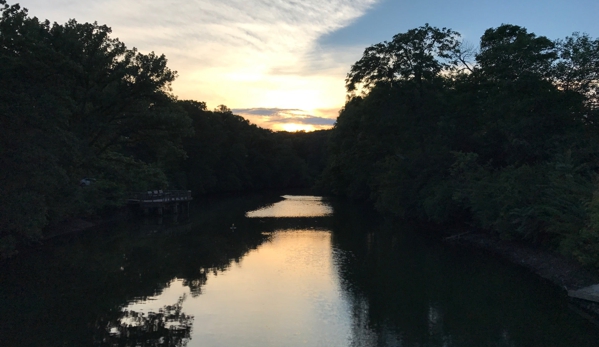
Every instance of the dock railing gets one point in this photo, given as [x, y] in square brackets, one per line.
[160, 201]
[161, 196]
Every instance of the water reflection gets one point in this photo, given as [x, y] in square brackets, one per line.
[168, 326]
[405, 290]
[347, 279]
[285, 291]
[71, 289]
[294, 206]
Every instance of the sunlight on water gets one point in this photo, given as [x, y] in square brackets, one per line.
[286, 292]
[295, 206]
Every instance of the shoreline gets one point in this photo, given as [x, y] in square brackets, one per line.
[81, 224]
[565, 273]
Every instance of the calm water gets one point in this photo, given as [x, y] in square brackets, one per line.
[275, 271]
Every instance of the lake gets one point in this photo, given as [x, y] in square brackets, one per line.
[271, 270]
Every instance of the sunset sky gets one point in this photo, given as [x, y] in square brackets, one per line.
[282, 63]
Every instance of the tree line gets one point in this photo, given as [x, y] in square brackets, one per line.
[78, 107]
[503, 136]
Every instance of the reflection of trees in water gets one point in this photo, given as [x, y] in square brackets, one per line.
[88, 278]
[405, 290]
[169, 327]
[195, 284]
[401, 295]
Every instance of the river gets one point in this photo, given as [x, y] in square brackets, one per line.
[270, 270]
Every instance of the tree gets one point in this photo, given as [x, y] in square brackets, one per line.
[577, 68]
[77, 103]
[510, 52]
[419, 54]
[223, 109]
[228, 153]
[507, 145]
[120, 97]
[35, 147]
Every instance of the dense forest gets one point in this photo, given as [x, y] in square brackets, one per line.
[78, 106]
[503, 137]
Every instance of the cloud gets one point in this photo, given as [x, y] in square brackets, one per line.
[315, 121]
[235, 52]
[277, 119]
[331, 113]
[263, 111]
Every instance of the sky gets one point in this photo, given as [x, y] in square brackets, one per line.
[282, 63]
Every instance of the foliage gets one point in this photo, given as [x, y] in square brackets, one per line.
[510, 52]
[227, 154]
[76, 103]
[508, 144]
[419, 55]
[577, 67]
[584, 244]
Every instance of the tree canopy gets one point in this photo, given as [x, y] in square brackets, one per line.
[508, 144]
[419, 55]
[78, 107]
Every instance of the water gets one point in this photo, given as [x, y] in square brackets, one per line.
[295, 271]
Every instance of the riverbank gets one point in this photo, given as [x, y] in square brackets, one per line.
[77, 225]
[555, 268]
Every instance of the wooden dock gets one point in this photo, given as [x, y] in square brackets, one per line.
[161, 201]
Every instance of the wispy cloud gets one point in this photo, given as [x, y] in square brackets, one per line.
[241, 53]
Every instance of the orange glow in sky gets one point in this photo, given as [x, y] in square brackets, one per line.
[292, 127]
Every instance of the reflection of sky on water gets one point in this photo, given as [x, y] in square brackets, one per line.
[298, 289]
[294, 206]
[351, 279]
[341, 286]
[286, 292]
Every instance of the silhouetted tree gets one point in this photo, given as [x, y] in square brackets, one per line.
[508, 144]
[418, 55]
[76, 103]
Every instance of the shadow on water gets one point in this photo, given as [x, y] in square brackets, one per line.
[407, 289]
[71, 291]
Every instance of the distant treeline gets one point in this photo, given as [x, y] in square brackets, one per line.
[503, 136]
[86, 120]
